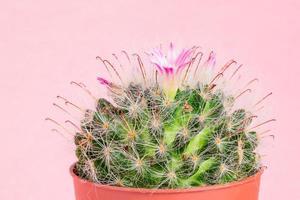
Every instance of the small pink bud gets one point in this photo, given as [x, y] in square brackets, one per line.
[103, 81]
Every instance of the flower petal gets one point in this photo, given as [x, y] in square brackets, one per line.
[169, 70]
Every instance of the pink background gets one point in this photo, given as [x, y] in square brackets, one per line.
[45, 44]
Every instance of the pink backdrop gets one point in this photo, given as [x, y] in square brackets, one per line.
[45, 44]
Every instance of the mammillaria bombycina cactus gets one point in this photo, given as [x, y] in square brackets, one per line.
[171, 124]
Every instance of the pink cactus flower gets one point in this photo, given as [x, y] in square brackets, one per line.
[171, 62]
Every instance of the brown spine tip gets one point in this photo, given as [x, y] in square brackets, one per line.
[75, 106]
[61, 108]
[261, 100]
[58, 124]
[83, 87]
[227, 65]
[263, 123]
[244, 92]
[141, 66]
[108, 64]
[235, 72]
[117, 59]
[60, 97]
[67, 102]
[251, 81]
[219, 75]
[73, 124]
[127, 56]
[199, 61]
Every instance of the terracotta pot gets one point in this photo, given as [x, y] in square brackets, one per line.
[246, 189]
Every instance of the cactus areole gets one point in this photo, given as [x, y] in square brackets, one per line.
[173, 124]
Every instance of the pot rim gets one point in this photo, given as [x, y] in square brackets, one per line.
[162, 191]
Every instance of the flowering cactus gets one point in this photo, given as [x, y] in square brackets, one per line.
[177, 128]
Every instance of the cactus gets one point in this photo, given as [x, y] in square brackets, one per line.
[170, 130]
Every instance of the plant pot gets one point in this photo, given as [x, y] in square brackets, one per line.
[246, 189]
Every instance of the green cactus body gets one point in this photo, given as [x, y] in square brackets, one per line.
[189, 141]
